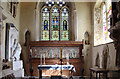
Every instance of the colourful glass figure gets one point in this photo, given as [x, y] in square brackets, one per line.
[55, 24]
[64, 25]
[45, 25]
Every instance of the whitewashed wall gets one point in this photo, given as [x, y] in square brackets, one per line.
[84, 18]
[9, 19]
[27, 22]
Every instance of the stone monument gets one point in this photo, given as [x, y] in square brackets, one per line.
[15, 51]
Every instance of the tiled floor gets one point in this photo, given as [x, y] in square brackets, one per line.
[26, 77]
[74, 77]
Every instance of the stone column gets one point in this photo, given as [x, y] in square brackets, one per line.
[37, 27]
[0, 40]
[75, 25]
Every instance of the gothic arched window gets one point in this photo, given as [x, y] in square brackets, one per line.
[64, 24]
[55, 23]
[45, 24]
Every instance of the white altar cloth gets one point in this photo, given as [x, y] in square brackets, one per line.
[56, 67]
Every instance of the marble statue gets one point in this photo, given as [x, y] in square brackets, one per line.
[86, 37]
[16, 50]
[14, 46]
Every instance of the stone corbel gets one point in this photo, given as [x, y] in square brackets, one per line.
[3, 17]
[1, 26]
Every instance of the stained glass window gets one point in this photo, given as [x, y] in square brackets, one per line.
[45, 24]
[101, 27]
[55, 23]
[64, 24]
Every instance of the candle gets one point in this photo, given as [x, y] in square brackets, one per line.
[31, 52]
[41, 56]
[61, 53]
[41, 59]
[67, 57]
[44, 58]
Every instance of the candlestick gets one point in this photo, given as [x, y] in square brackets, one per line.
[61, 53]
[56, 58]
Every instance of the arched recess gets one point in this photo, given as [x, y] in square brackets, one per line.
[72, 23]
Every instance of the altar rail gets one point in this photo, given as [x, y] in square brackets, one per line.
[76, 61]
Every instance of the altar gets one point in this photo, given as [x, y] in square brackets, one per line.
[43, 55]
[55, 67]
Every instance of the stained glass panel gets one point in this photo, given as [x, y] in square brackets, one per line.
[45, 24]
[55, 35]
[45, 35]
[55, 24]
[64, 24]
[65, 35]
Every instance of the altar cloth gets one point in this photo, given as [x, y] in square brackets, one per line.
[56, 67]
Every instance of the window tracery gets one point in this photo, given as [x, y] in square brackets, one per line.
[55, 22]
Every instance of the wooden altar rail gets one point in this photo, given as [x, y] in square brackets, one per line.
[50, 61]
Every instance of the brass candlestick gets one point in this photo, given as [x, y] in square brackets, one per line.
[61, 59]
